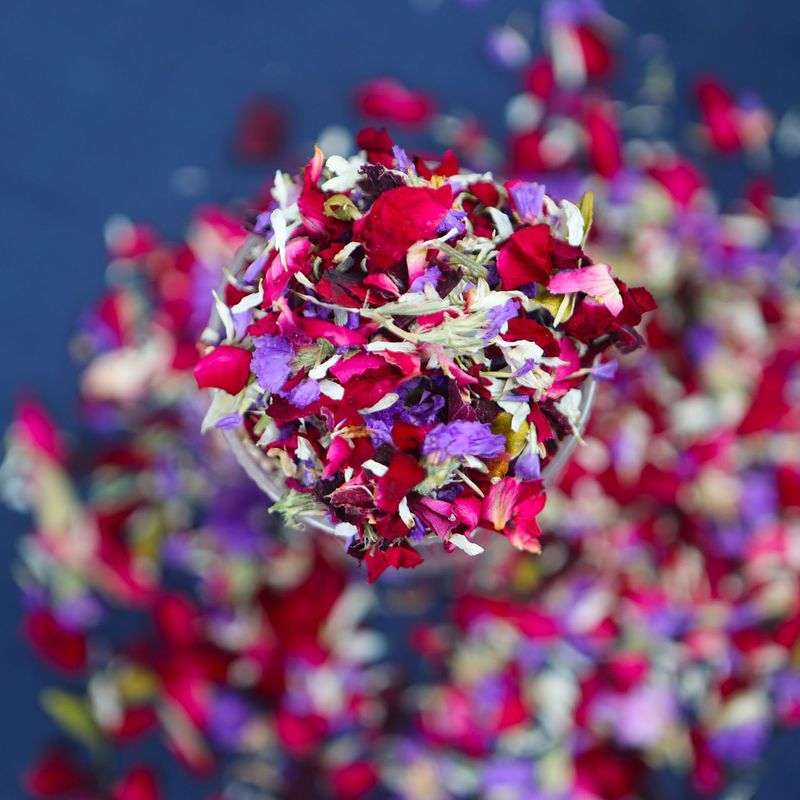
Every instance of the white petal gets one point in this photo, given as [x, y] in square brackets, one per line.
[501, 222]
[222, 405]
[248, 302]
[304, 450]
[573, 219]
[394, 347]
[387, 401]
[279, 228]
[462, 543]
[321, 371]
[224, 314]
[269, 434]
[331, 389]
[473, 462]
[337, 165]
[405, 513]
[570, 405]
[346, 252]
[345, 530]
[375, 467]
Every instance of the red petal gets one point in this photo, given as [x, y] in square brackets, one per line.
[605, 143]
[135, 722]
[399, 218]
[338, 335]
[353, 781]
[719, 114]
[400, 556]
[485, 192]
[391, 526]
[707, 775]
[539, 78]
[498, 505]
[345, 453]
[260, 131]
[403, 475]
[788, 482]
[226, 367]
[175, 619]
[55, 774]
[436, 515]
[300, 734]
[388, 99]
[608, 774]
[525, 258]
[523, 531]
[525, 153]
[680, 178]
[522, 328]
[64, 649]
[33, 425]
[468, 512]
[378, 144]
[408, 437]
[597, 54]
[770, 403]
[138, 783]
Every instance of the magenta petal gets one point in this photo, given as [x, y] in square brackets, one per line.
[596, 281]
[226, 368]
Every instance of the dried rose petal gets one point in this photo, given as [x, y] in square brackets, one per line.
[388, 99]
[225, 367]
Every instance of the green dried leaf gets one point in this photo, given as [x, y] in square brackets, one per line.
[294, 505]
[438, 475]
[312, 356]
[475, 269]
[341, 207]
[262, 424]
[586, 207]
[73, 713]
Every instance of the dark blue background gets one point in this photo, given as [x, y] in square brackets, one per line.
[101, 101]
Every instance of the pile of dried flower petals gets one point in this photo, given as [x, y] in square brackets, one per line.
[405, 342]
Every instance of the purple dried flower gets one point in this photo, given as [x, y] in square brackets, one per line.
[417, 533]
[605, 371]
[404, 163]
[463, 439]
[740, 743]
[528, 200]
[425, 411]
[229, 423]
[528, 467]
[525, 368]
[498, 317]
[271, 359]
[430, 276]
[304, 394]
[241, 322]
[79, 612]
[507, 47]
[453, 219]
[263, 223]
[229, 717]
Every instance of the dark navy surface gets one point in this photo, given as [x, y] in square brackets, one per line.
[100, 102]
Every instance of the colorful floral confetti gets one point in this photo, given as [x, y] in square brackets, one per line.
[405, 343]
